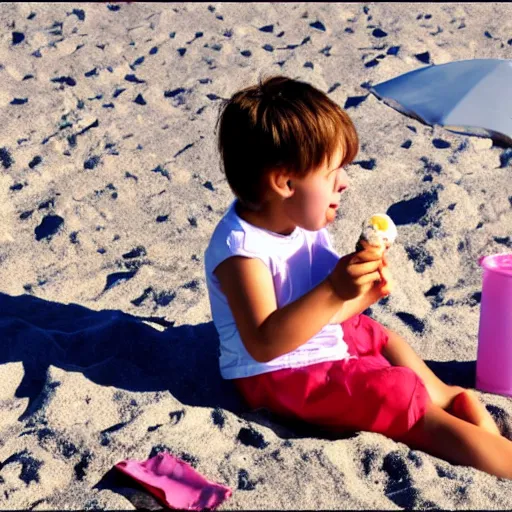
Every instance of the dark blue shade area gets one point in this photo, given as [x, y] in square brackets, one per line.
[267, 28]
[17, 37]
[174, 92]
[29, 466]
[423, 57]
[435, 290]
[26, 215]
[218, 417]
[135, 253]
[133, 79]
[164, 298]
[354, 101]
[413, 322]
[65, 80]
[140, 100]
[420, 258]
[379, 33]
[369, 165]
[251, 437]
[318, 25]
[441, 144]
[399, 487]
[92, 162]
[118, 277]
[412, 210]
[5, 158]
[371, 63]
[48, 227]
[333, 87]
[244, 483]
[79, 13]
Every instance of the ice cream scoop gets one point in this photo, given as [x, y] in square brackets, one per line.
[379, 230]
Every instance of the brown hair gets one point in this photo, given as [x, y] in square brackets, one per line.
[279, 123]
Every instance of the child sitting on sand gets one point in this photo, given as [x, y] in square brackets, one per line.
[288, 309]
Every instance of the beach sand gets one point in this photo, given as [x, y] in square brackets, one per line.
[110, 186]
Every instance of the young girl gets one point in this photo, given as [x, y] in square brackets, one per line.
[288, 309]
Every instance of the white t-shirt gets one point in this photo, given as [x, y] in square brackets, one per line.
[297, 262]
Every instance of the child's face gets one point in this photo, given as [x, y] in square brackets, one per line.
[317, 196]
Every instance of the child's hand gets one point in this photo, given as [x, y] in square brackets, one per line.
[386, 284]
[356, 273]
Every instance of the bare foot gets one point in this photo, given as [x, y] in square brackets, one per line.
[467, 406]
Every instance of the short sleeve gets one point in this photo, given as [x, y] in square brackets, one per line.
[227, 243]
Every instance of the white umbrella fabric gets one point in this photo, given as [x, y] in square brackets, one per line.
[473, 97]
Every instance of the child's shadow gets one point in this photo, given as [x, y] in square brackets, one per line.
[111, 348]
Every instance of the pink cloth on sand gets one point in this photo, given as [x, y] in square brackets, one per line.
[175, 483]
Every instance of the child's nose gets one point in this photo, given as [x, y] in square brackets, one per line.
[342, 182]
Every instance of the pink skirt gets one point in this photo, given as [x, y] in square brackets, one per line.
[362, 393]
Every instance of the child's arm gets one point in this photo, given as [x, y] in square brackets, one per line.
[268, 331]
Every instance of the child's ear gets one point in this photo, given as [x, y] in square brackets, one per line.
[281, 183]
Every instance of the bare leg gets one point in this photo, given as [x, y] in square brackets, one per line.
[467, 407]
[459, 442]
[456, 400]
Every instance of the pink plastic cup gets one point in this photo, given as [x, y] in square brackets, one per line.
[494, 357]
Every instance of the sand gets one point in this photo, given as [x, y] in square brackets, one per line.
[110, 186]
